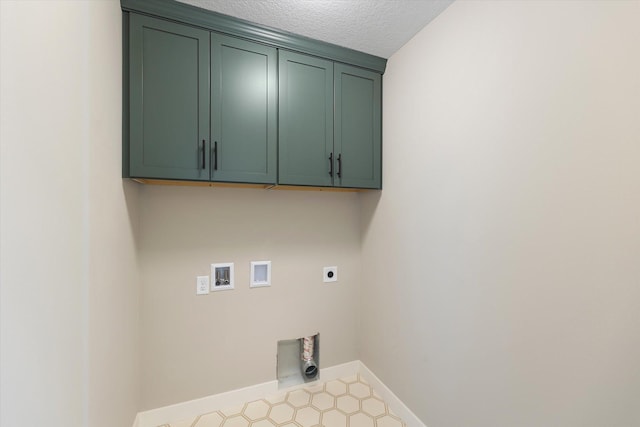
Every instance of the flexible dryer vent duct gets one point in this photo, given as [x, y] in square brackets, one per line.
[309, 367]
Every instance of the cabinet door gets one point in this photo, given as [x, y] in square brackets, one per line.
[244, 111]
[358, 142]
[168, 100]
[305, 120]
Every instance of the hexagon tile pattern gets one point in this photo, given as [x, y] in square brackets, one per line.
[346, 402]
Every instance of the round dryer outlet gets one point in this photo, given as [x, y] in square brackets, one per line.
[330, 274]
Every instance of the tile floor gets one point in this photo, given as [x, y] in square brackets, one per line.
[346, 402]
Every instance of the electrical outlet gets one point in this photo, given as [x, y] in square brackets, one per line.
[202, 285]
[330, 274]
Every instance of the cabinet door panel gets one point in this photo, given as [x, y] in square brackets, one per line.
[169, 99]
[306, 120]
[244, 110]
[358, 127]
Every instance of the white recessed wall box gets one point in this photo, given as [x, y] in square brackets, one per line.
[260, 274]
[222, 276]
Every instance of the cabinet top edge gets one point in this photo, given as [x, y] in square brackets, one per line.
[184, 13]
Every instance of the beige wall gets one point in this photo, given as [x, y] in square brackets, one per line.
[114, 286]
[69, 292]
[194, 346]
[505, 246]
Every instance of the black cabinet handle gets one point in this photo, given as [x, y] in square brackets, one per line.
[340, 165]
[203, 155]
[331, 164]
[215, 155]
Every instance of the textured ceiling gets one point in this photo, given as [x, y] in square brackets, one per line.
[378, 27]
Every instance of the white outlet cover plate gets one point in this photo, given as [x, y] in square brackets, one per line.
[202, 285]
[330, 274]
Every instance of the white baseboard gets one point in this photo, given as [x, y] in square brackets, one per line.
[396, 405]
[339, 371]
[193, 408]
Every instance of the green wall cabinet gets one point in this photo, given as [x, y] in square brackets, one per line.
[202, 105]
[306, 120]
[330, 124]
[210, 98]
[358, 127]
[244, 111]
[168, 100]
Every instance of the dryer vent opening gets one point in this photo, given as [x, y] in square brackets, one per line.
[309, 366]
[298, 361]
